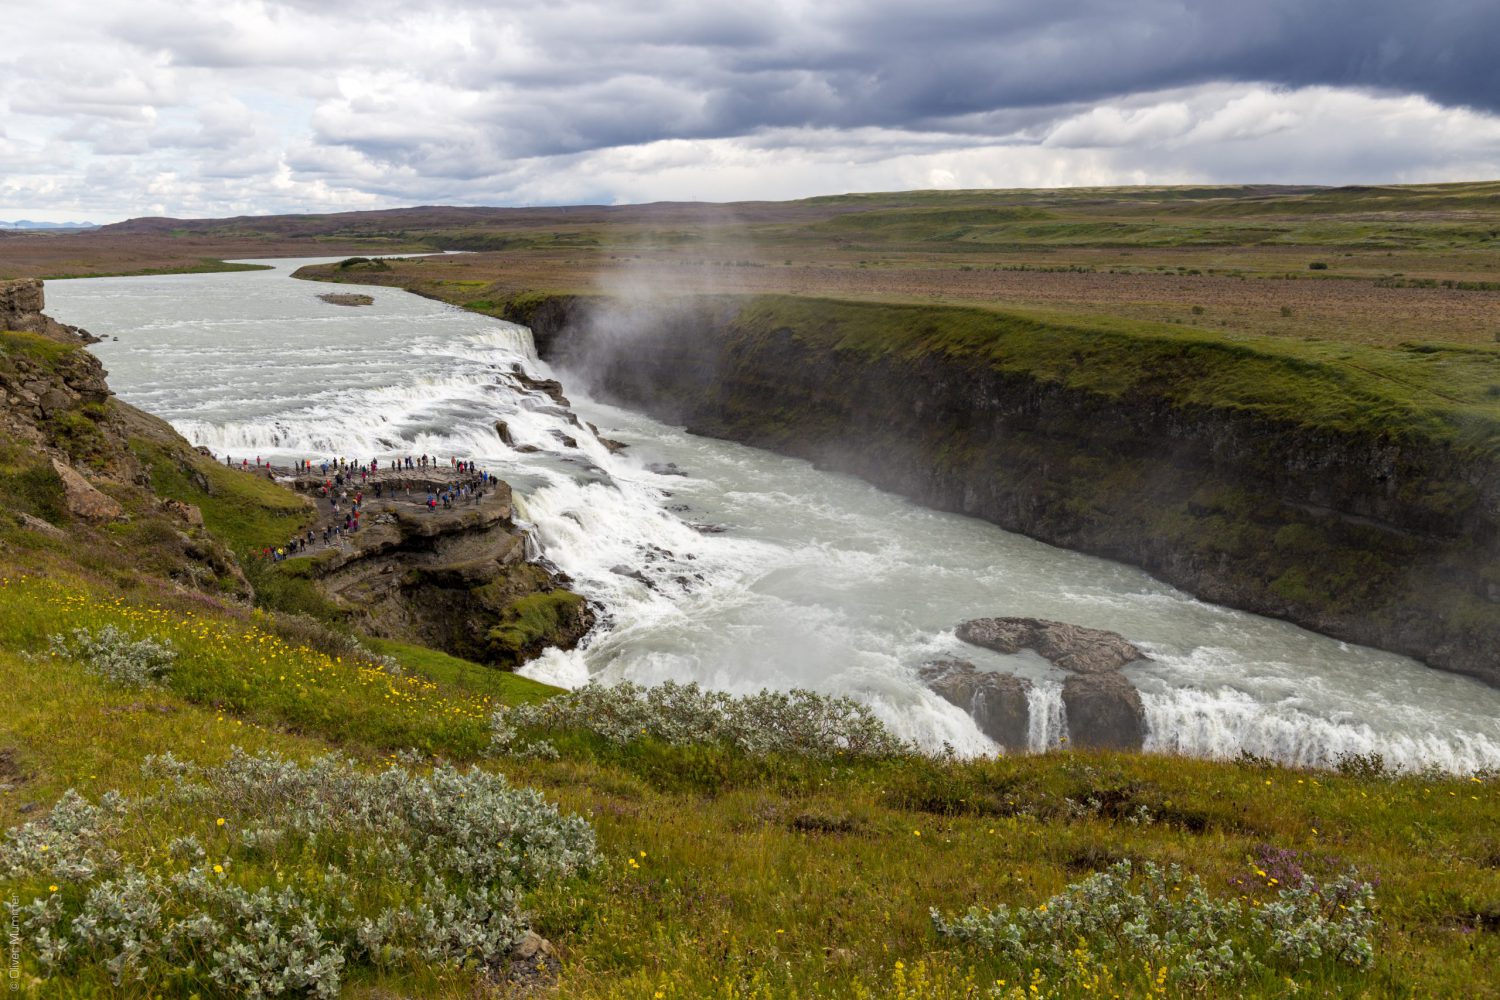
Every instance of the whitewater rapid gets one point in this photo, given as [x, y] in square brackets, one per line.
[741, 569]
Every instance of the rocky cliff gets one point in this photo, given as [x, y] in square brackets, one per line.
[76, 465]
[85, 478]
[21, 305]
[455, 579]
[1361, 529]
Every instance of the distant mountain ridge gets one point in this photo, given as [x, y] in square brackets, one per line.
[30, 224]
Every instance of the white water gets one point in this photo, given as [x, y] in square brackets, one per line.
[817, 580]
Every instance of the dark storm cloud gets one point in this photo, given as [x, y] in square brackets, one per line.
[240, 105]
[585, 75]
[914, 65]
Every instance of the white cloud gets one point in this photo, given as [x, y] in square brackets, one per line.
[197, 108]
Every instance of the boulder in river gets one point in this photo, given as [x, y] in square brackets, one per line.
[997, 702]
[1072, 647]
[632, 574]
[615, 447]
[1104, 711]
[549, 387]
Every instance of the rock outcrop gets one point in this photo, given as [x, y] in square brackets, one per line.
[454, 579]
[21, 303]
[998, 702]
[1104, 711]
[83, 500]
[83, 467]
[1103, 708]
[1072, 647]
[43, 387]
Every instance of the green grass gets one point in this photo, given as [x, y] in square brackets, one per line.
[532, 619]
[1436, 392]
[453, 674]
[29, 484]
[728, 876]
[207, 265]
[34, 347]
[244, 667]
[244, 509]
[820, 892]
[63, 728]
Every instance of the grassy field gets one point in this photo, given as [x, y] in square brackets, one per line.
[1419, 391]
[729, 875]
[1377, 266]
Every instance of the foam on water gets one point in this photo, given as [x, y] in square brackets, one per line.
[751, 570]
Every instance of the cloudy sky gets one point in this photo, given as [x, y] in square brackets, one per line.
[117, 108]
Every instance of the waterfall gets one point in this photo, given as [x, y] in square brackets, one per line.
[740, 569]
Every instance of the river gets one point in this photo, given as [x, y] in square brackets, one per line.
[759, 571]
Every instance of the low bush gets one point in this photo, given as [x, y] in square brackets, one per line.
[1168, 925]
[279, 876]
[793, 722]
[110, 652]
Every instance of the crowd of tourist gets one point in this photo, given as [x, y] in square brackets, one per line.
[344, 483]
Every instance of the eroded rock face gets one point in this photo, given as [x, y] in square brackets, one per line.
[549, 387]
[997, 702]
[1104, 711]
[21, 304]
[1072, 647]
[83, 500]
[20, 297]
[454, 579]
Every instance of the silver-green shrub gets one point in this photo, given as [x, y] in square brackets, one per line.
[71, 842]
[111, 653]
[317, 867]
[1168, 918]
[794, 722]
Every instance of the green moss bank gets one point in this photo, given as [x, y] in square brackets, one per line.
[1354, 491]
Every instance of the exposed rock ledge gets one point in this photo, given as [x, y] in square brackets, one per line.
[1072, 647]
[21, 305]
[1103, 708]
[457, 580]
[998, 702]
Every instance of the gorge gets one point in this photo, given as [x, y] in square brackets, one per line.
[1370, 528]
[733, 567]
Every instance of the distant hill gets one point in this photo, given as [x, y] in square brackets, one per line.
[30, 224]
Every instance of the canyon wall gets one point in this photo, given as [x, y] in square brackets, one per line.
[1376, 536]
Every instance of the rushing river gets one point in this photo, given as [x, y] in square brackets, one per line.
[763, 571]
